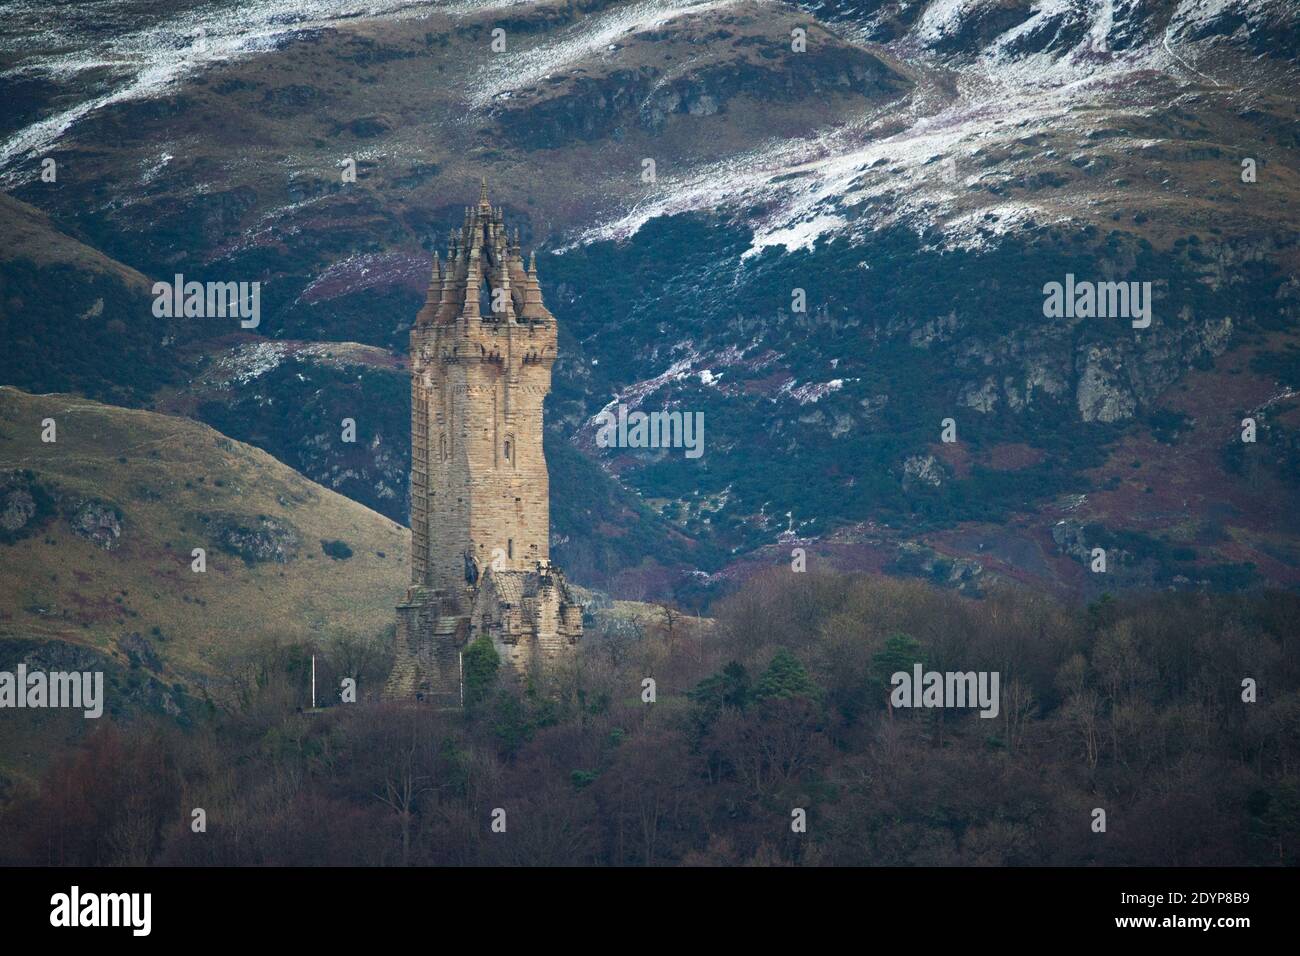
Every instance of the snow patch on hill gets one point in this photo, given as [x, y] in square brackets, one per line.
[141, 63]
[594, 35]
[870, 174]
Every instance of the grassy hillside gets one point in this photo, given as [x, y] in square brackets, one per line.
[71, 317]
[97, 531]
[33, 237]
[96, 536]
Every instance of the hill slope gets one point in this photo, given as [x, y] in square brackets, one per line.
[97, 531]
[70, 315]
[920, 172]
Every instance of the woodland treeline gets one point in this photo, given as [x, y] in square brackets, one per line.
[1130, 705]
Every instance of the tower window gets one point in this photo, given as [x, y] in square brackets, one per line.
[510, 548]
[507, 451]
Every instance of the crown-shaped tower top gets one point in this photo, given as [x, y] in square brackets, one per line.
[484, 278]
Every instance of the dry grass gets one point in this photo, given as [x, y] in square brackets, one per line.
[30, 235]
[163, 473]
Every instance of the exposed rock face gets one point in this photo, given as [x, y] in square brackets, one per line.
[97, 521]
[1041, 376]
[51, 656]
[938, 329]
[1112, 380]
[922, 470]
[663, 80]
[123, 692]
[1116, 380]
[138, 647]
[590, 108]
[24, 505]
[1069, 537]
[17, 507]
[965, 574]
[1072, 538]
[961, 574]
[982, 398]
[255, 539]
[1102, 396]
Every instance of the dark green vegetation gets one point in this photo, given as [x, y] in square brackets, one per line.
[1276, 449]
[1124, 164]
[67, 330]
[296, 413]
[338, 550]
[26, 505]
[130, 690]
[905, 340]
[1132, 705]
[1167, 561]
[601, 535]
[904, 324]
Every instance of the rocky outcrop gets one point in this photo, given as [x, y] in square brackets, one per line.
[17, 508]
[137, 648]
[1077, 541]
[922, 470]
[27, 505]
[97, 521]
[961, 574]
[1102, 395]
[255, 539]
[1070, 538]
[125, 691]
[1115, 380]
[1111, 378]
[981, 397]
[743, 61]
[938, 329]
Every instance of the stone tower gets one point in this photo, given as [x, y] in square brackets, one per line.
[481, 355]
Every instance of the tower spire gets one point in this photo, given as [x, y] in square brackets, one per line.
[434, 293]
[473, 279]
[533, 308]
